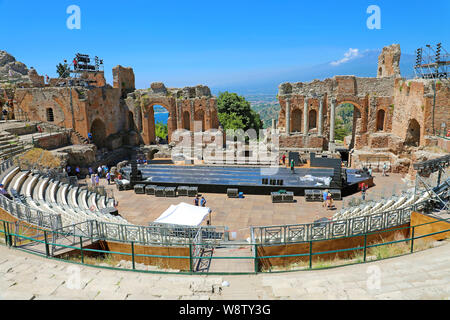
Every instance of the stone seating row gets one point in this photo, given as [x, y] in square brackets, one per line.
[74, 204]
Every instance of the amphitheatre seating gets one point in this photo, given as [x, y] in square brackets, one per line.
[73, 204]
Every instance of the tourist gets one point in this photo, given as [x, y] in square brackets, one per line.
[108, 177]
[196, 201]
[283, 158]
[363, 191]
[203, 202]
[99, 170]
[292, 166]
[91, 172]
[69, 170]
[93, 179]
[97, 180]
[329, 200]
[77, 170]
[370, 170]
[324, 197]
[384, 169]
[4, 192]
[5, 114]
[90, 137]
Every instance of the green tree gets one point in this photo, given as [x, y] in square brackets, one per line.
[231, 121]
[244, 117]
[161, 130]
[63, 70]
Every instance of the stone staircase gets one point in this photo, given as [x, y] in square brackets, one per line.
[10, 145]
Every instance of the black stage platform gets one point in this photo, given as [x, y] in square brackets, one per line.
[217, 179]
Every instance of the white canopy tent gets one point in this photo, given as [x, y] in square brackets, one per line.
[183, 214]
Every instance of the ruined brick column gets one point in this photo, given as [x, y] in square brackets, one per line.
[332, 115]
[192, 115]
[179, 115]
[305, 116]
[288, 117]
[320, 129]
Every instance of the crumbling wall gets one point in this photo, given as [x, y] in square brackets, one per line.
[389, 62]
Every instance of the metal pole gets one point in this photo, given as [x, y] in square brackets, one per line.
[365, 247]
[47, 251]
[6, 235]
[190, 257]
[256, 258]
[81, 250]
[310, 254]
[412, 240]
[132, 255]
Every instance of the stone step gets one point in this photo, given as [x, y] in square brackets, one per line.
[9, 175]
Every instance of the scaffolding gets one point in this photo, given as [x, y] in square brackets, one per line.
[432, 62]
[433, 180]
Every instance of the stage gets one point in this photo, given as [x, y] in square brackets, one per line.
[249, 180]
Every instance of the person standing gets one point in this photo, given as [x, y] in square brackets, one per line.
[108, 177]
[384, 169]
[324, 197]
[370, 170]
[292, 166]
[283, 158]
[97, 180]
[203, 202]
[91, 172]
[329, 200]
[93, 179]
[196, 201]
[363, 191]
[99, 171]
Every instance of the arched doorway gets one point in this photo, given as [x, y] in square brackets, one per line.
[131, 124]
[380, 120]
[413, 134]
[98, 131]
[161, 118]
[200, 117]
[186, 121]
[312, 119]
[296, 121]
[346, 117]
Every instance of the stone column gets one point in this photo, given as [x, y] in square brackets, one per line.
[288, 117]
[320, 129]
[332, 115]
[179, 114]
[192, 115]
[305, 116]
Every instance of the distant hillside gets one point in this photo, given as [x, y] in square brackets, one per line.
[364, 65]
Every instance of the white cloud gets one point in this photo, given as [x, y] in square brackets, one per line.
[350, 54]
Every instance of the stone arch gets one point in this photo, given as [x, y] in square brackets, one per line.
[296, 120]
[200, 116]
[413, 133]
[312, 119]
[356, 114]
[131, 123]
[98, 130]
[380, 119]
[186, 120]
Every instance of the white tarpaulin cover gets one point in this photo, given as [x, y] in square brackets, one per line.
[183, 214]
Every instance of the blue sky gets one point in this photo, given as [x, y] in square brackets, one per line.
[213, 42]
